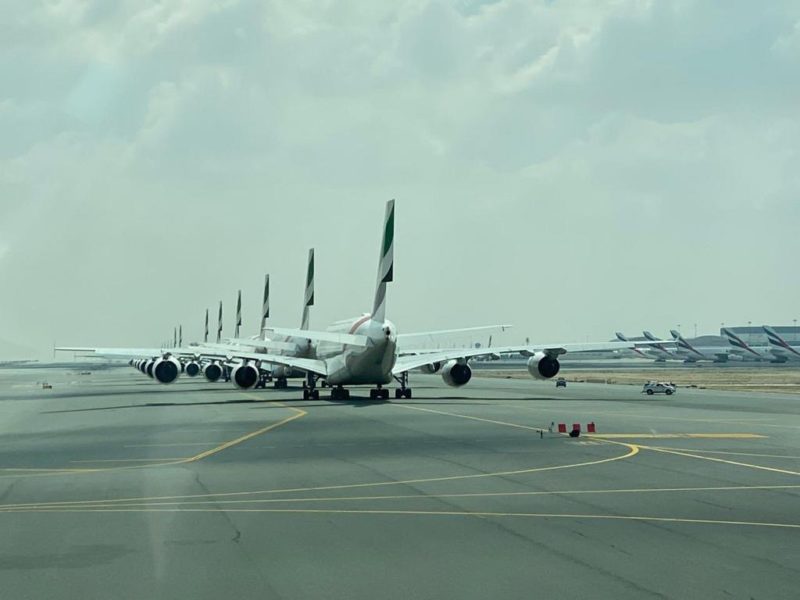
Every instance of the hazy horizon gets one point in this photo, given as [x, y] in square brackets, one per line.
[573, 169]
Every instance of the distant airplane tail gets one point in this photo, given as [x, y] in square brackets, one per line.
[682, 343]
[737, 342]
[238, 315]
[650, 336]
[265, 304]
[308, 298]
[621, 337]
[219, 324]
[205, 336]
[777, 341]
[385, 264]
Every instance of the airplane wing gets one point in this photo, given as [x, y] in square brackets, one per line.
[501, 328]
[242, 344]
[319, 367]
[321, 336]
[412, 361]
[115, 352]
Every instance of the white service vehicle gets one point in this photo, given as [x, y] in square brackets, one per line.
[659, 387]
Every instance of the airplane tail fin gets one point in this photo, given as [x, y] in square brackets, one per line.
[205, 336]
[737, 342]
[219, 323]
[174, 337]
[265, 305]
[775, 339]
[676, 335]
[385, 265]
[308, 298]
[621, 337]
[650, 336]
[180, 336]
[238, 315]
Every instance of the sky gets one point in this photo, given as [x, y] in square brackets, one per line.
[571, 168]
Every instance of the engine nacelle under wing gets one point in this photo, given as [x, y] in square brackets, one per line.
[212, 372]
[456, 374]
[541, 366]
[166, 370]
[192, 369]
[245, 376]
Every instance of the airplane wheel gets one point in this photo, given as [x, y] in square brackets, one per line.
[398, 393]
[408, 393]
[315, 395]
[384, 394]
[306, 394]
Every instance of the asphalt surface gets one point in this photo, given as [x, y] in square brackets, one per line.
[112, 486]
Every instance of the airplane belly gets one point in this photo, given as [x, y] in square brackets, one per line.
[371, 366]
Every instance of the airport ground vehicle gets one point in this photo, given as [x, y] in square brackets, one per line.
[561, 382]
[659, 387]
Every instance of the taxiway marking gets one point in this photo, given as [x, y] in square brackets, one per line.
[423, 513]
[215, 498]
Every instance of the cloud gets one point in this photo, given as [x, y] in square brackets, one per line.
[147, 145]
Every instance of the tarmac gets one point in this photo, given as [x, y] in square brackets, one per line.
[112, 486]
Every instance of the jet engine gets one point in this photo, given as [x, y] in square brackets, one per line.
[192, 369]
[456, 374]
[212, 372]
[541, 366]
[148, 367]
[431, 368]
[245, 376]
[166, 370]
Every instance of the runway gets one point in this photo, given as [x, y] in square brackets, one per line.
[114, 486]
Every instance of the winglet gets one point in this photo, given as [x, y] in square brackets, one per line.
[385, 264]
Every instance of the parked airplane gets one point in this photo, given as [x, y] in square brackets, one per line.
[659, 347]
[359, 351]
[693, 353]
[779, 347]
[640, 352]
[746, 351]
[363, 350]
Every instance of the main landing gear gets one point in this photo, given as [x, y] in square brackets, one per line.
[310, 391]
[263, 380]
[340, 393]
[379, 393]
[281, 383]
[403, 391]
